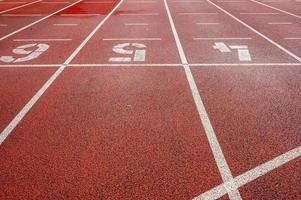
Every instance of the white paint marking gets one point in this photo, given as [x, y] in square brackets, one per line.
[12, 125]
[42, 19]
[213, 141]
[240, 38]
[252, 174]
[257, 32]
[136, 24]
[283, 11]
[271, 13]
[65, 24]
[11, 9]
[79, 15]
[279, 23]
[292, 38]
[139, 14]
[21, 15]
[131, 39]
[198, 13]
[43, 40]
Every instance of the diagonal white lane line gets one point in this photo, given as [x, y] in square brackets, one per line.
[257, 32]
[12, 125]
[211, 136]
[21, 6]
[252, 174]
[38, 21]
[283, 11]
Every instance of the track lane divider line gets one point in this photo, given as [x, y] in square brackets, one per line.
[218, 154]
[17, 119]
[38, 21]
[257, 32]
[251, 175]
[283, 11]
[21, 6]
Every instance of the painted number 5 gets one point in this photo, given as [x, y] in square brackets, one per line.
[25, 50]
[138, 52]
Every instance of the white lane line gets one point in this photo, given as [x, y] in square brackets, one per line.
[65, 24]
[125, 65]
[55, 2]
[240, 38]
[213, 23]
[257, 32]
[136, 24]
[131, 39]
[213, 141]
[78, 15]
[21, 15]
[283, 11]
[292, 38]
[139, 14]
[198, 13]
[252, 174]
[280, 23]
[21, 6]
[266, 13]
[38, 21]
[242, 64]
[12, 125]
[43, 40]
[98, 2]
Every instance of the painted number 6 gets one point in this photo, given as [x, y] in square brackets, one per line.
[25, 50]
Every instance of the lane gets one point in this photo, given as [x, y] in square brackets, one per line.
[6, 6]
[255, 111]
[18, 85]
[108, 133]
[210, 36]
[23, 18]
[62, 34]
[280, 27]
[276, 185]
[291, 6]
[133, 35]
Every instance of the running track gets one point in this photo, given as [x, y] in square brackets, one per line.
[150, 99]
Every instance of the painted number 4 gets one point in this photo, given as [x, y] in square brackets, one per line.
[136, 55]
[243, 50]
[26, 50]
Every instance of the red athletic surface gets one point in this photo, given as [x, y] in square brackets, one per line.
[133, 132]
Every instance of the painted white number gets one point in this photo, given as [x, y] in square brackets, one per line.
[139, 54]
[25, 50]
[243, 50]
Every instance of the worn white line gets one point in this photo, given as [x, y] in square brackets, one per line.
[136, 24]
[257, 32]
[292, 38]
[280, 23]
[198, 13]
[213, 141]
[42, 19]
[78, 15]
[125, 65]
[139, 14]
[252, 174]
[242, 64]
[42, 40]
[239, 38]
[131, 39]
[65, 24]
[21, 6]
[283, 11]
[12, 125]
[21, 15]
[267, 13]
